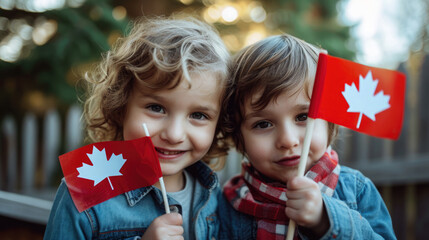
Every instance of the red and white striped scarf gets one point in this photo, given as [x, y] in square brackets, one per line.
[248, 194]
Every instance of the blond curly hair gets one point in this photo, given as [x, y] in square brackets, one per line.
[158, 53]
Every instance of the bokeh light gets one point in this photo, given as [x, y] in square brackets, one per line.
[20, 35]
[258, 14]
[187, 2]
[44, 30]
[10, 48]
[254, 36]
[119, 13]
[40, 5]
[229, 14]
[212, 14]
[7, 4]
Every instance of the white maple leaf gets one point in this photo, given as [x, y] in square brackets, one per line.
[364, 100]
[101, 167]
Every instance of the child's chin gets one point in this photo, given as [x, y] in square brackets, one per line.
[277, 181]
[287, 177]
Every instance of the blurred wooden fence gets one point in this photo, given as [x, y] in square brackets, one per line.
[29, 169]
[400, 169]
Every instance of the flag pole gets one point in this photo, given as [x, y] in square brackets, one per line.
[161, 180]
[301, 167]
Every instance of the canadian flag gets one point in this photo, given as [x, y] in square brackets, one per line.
[99, 171]
[359, 97]
[365, 99]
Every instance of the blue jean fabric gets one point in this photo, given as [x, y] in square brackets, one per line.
[127, 216]
[355, 211]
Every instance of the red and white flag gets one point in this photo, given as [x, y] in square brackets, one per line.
[365, 99]
[100, 171]
[362, 98]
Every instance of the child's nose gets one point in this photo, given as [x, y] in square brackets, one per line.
[288, 137]
[174, 131]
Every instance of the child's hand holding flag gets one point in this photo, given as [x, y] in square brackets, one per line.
[365, 99]
[97, 172]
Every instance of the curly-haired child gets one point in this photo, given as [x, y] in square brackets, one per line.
[169, 73]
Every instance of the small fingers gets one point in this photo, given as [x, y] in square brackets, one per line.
[167, 226]
[302, 219]
[294, 183]
[177, 238]
[173, 219]
[295, 204]
[175, 230]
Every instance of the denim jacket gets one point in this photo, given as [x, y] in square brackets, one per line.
[355, 211]
[128, 215]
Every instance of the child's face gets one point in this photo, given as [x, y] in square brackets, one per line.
[273, 137]
[181, 121]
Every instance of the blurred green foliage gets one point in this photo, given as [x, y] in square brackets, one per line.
[82, 35]
[52, 70]
[315, 21]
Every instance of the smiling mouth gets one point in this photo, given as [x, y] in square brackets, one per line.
[166, 152]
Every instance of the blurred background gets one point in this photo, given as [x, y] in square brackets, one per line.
[46, 45]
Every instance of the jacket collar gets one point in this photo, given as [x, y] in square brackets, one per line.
[207, 178]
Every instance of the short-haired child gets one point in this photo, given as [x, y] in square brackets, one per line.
[169, 73]
[267, 110]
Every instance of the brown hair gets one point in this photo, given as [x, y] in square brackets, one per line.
[271, 66]
[158, 53]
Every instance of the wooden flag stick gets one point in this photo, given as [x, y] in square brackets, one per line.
[161, 180]
[301, 167]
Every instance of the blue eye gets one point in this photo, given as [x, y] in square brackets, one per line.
[156, 108]
[262, 124]
[199, 116]
[301, 117]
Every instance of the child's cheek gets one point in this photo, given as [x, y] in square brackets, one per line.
[319, 142]
[203, 139]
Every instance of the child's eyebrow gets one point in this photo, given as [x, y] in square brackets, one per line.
[208, 109]
[259, 113]
[302, 107]
[253, 114]
[149, 95]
